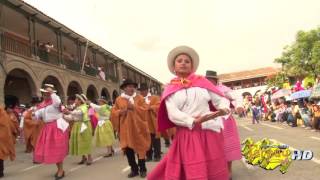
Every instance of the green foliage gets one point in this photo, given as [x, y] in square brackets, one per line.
[302, 58]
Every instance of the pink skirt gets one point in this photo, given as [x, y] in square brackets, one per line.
[194, 154]
[232, 147]
[52, 144]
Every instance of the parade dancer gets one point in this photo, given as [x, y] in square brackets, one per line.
[232, 147]
[8, 133]
[31, 126]
[196, 151]
[104, 131]
[81, 133]
[128, 116]
[52, 144]
[153, 103]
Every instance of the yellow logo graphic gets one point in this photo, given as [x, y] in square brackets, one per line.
[266, 154]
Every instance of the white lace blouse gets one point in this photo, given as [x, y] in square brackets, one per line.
[184, 105]
[51, 112]
[75, 115]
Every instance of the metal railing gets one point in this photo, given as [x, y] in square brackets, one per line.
[11, 43]
[90, 71]
[19, 46]
[51, 57]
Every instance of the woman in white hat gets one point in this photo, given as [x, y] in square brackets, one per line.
[55, 150]
[197, 150]
[81, 133]
[104, 131]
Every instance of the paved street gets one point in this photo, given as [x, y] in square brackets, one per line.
[117, 168]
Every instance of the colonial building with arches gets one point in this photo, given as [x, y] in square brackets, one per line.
[35, 49]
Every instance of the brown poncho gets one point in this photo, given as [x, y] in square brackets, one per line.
[152, 115]
[31, 130]
[132, 127]
[9, 129]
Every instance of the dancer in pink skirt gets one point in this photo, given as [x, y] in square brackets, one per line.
[52, 144]
[232, 147]
[197, 149]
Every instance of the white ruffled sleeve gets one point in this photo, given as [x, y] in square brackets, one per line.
[75, 115]
[39, 113]
[56, 101]
[95, 107]
[176, 116]
[219, 102]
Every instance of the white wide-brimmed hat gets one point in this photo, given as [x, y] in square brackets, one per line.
[84, 97]
[47, 86]
[81, 98]
[183, 50]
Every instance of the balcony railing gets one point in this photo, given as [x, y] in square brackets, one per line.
[71, 63]
[17, 45]
[90, 71]
[20, 46]
[51, 56]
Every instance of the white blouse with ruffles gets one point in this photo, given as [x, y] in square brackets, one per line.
[75, 115]
[51, 112]
[186, 104]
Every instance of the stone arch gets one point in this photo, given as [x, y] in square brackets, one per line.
[73, 88]
[115, 94]
[52, 73]
[14, 64]
[19, 86]
[105, 93]
[92, 93]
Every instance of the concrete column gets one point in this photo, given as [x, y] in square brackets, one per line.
[119, 72]
[2, 82]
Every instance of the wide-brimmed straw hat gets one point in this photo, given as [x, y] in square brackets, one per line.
[84, 97]
[182, 50]
[81, 98]
[47, 86]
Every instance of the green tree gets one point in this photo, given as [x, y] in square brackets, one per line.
[277, 80]
[302, 58]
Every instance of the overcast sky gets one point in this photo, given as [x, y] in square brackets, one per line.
[229, 35]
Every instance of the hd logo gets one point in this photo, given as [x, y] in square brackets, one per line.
[302, 155]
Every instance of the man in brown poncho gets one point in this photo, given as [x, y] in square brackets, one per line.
[31, 127]
[153, 103]
[128, 118]
[9, 129]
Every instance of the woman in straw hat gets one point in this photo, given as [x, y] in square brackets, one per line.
[81, 133]
[52, 143]
[197, 149]
[104, 131]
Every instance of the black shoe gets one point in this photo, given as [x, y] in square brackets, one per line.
[157, 159]
[1, 175]
[148, 159]
[133, 174]
[143, 174]
[108, 155]
[83, 161]
[89, 163]
[59, 177]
